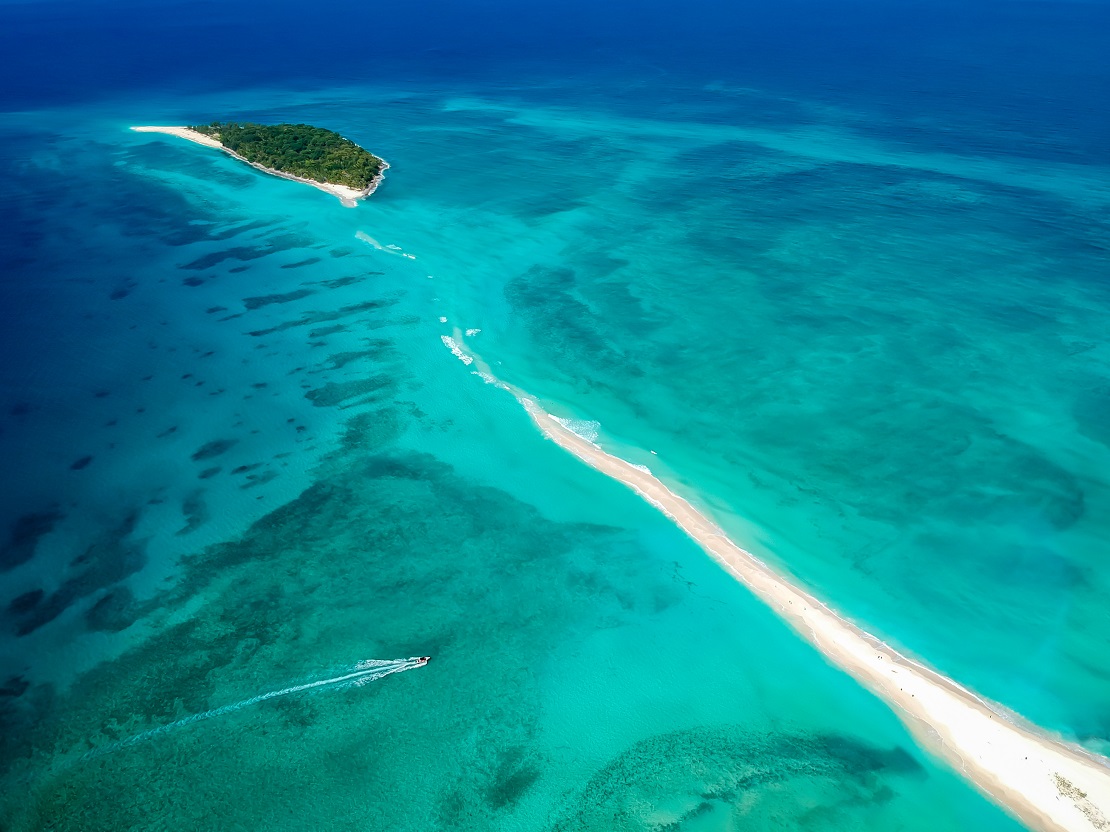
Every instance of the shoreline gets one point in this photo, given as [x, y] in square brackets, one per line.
[1044, 781]
[347, 195]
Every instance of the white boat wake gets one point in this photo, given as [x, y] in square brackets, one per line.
[366, 671]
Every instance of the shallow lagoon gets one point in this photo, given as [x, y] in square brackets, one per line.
[846, 348]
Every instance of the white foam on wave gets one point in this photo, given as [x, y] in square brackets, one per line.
[366, 238]
[582, 428]
[470, 333]
[389, 249]
[456, 350]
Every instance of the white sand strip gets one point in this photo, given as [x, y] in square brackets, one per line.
[348, 196]
[1047, 783]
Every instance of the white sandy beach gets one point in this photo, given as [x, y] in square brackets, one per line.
[1047, 783]
[348, 196]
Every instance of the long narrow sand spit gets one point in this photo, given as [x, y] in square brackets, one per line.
[348, 196]
[1048, 784]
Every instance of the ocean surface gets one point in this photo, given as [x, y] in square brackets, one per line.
[838, 273]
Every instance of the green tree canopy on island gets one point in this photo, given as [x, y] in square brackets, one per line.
[299, 149]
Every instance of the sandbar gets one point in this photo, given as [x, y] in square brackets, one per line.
[348, 196]
[1046, 782]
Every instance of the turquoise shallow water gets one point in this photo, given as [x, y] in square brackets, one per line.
[878, 362]
[889, 361]
[881, 364]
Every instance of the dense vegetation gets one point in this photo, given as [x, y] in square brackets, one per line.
[299, 149]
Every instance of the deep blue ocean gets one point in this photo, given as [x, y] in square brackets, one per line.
[838, 273]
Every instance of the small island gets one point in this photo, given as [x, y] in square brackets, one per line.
[301, 152]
